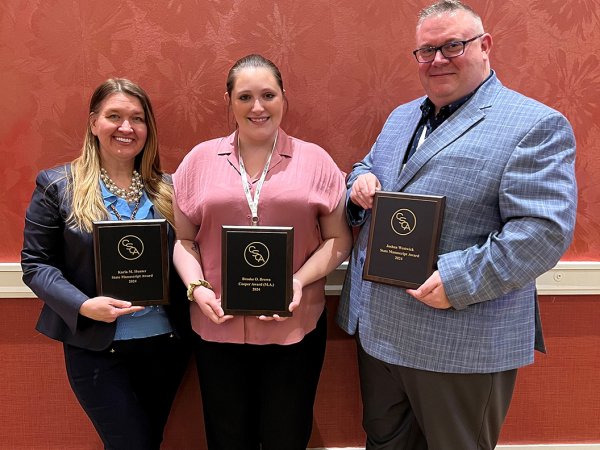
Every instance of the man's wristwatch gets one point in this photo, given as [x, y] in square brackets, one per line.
[193, 285]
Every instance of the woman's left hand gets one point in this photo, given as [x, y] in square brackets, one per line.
[296, 297]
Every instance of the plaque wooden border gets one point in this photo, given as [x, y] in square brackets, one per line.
[405, 261]
[277, 271]
[133, 271]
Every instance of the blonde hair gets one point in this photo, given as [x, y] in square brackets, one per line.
[87, 205]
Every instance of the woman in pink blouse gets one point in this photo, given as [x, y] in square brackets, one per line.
[258, 375]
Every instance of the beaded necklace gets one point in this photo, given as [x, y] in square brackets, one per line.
[131, 194]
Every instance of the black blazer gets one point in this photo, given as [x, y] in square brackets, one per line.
[58, 266]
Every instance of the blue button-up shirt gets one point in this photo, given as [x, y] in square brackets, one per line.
[152, 320]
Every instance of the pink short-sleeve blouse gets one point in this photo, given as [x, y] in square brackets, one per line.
[302, 184]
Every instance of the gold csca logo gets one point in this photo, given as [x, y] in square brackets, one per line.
[256, 254]
[403, 222]
[130, 247]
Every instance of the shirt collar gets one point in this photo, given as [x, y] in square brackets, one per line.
[121, 205]
[107, 196]
[428, 108]
[282, 147]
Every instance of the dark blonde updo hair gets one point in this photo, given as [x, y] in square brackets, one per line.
[252, 61]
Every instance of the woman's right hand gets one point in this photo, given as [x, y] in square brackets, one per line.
[209, 305]
[106, 309]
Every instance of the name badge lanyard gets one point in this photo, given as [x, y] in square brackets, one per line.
[422, 137]
[253, 202]
[421, 140]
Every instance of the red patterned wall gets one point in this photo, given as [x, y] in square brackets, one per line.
[346, 64]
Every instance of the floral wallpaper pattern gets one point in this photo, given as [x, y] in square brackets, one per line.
[346, 64]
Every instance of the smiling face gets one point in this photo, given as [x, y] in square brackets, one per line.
[120, 126]
[447, 80]
[257, 103]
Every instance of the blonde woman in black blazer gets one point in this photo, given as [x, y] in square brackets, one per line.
[124, 362]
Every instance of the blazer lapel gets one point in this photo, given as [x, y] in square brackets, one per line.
[393, 156]
[452, 129]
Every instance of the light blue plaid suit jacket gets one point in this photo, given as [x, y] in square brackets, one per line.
[505, 163]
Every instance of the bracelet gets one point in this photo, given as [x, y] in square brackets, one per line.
[193, 285]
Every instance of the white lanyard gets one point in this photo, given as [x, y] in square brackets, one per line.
[421, 140]
[423, 136]
[253, 202]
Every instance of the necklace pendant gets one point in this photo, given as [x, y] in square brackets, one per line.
[254, 221]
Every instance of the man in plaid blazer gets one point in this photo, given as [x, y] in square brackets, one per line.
[438, 363]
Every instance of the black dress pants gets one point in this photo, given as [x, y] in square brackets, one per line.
[412, 409]
[127, 390]
[260, 396]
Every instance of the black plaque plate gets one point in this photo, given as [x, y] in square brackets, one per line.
[256, 270]
[131, 258]
[404, 238]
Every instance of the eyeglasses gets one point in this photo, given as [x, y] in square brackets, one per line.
[449, 50]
